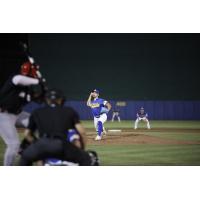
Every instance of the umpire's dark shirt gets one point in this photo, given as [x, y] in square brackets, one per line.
[53, 121]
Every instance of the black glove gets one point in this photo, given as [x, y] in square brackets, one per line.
[24, 144]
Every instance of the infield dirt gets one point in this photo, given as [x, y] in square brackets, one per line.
[139, 136]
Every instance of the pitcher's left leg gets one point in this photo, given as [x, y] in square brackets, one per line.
[100, 126]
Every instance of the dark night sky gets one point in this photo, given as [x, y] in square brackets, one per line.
[121, 66]
[11, 54]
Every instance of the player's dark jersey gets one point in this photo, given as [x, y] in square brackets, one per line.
[141, 115]
[12, 97]
[53, 121]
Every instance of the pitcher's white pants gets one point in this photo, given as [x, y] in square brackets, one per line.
[143, 119]
[102, 118]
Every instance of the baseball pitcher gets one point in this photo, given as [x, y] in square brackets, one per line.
[100, 109]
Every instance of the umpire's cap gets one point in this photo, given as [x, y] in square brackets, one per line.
[54, 94]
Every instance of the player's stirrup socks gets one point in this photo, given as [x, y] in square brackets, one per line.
[100, 127]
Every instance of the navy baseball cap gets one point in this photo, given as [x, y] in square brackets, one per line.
[96, 91]
[54, 94]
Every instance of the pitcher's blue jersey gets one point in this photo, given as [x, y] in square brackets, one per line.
[97, 105]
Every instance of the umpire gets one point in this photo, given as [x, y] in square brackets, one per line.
[52, 122]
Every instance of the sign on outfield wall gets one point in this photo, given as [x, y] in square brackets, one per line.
[121, 103]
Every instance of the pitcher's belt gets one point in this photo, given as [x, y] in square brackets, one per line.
[99, 115]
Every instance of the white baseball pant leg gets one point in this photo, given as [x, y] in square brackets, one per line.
[113, 117]
[144, 119]
[9, 134]
[147, 121]
[23, 119]
[102, 118]
[136, 122]
[119, 119]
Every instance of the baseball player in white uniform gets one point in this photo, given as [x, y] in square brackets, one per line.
[142, 115]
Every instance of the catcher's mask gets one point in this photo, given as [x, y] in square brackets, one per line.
[54, 97]
[28, 69]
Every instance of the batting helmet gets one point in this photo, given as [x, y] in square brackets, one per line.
[28, 69]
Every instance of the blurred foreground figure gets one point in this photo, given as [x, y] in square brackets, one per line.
[13, 96]
[53, 123]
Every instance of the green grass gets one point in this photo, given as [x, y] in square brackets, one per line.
[146, 154]
[154, 124]
[177, 135]
[149, 154]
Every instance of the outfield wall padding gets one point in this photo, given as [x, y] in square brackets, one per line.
[157, 110]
